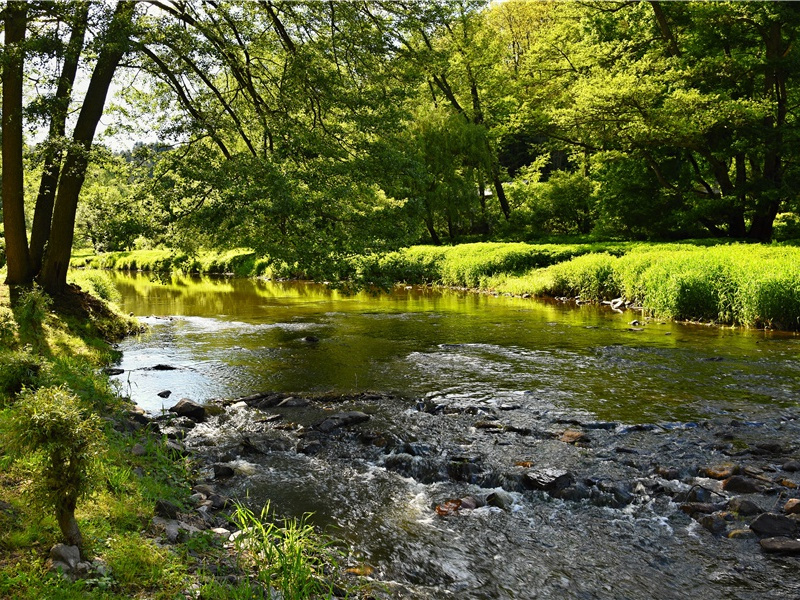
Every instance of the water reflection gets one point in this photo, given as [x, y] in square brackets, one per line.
[232, 337]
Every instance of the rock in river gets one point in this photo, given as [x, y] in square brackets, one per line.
[773, 525]
[548, 480]
[780, 545]
[187, 408]
[343, 419]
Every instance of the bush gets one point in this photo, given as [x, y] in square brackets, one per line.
[63, 440]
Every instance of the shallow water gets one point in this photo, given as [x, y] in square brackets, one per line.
[533, 365]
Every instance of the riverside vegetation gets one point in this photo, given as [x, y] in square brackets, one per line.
[77, 465]
[702, 280]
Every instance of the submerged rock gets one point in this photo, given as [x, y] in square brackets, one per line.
[343, 419]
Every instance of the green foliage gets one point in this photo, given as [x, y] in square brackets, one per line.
[30, 309]
[290, 556]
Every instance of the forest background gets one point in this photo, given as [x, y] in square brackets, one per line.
[314, 132]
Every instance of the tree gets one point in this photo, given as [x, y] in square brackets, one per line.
[54, 215]
[16, 238]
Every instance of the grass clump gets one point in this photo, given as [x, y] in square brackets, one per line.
[289, 556]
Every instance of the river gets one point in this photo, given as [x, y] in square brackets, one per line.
[466, 393]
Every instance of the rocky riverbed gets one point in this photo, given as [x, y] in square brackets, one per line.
[512, 480]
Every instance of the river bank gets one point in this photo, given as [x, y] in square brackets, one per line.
[744, 285]
[134, 481]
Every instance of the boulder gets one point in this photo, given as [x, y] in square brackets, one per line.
[724, 471]
[166, 509]
[744, 507]
[780, 545]
[741, 485]
[187, 408]
[223, 471]
[68, 555]
[774, 525]
[792, 507]
[138, 450]
[164, 394]
[548, 480]
[343, 419]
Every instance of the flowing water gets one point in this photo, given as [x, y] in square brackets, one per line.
[467, 392]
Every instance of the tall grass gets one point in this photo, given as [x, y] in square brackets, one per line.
[290, 555]
[737, 284]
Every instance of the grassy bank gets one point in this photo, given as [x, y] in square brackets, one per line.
[732, 284]
[63, 428]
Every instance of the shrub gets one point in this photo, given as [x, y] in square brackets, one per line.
[63, 440]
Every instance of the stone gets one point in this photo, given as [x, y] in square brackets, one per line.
[138, 450]
[166, 509]
[714, 523]
[160, 367]
[187, 408]
[780, 545]
[218, 501]
[311, 339]
[791, 466]
[113, 371]
[164, 394]
[744, 507]
[343, 419]
[792, 507]
[548, 480]
[177, 449]
[69, 555]
[741, 485]
[57, 566]
[741, 534]
[694, 508]
[724, 471]
[698, 494]
[500, 499]
[221, 531]
[774, 525]
[571, 436]
[223, 471]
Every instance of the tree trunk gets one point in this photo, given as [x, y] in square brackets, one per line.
[65, 515]
[43, 213]
[53, 276]
[17, 258]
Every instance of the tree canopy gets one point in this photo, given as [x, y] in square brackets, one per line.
[312, 131]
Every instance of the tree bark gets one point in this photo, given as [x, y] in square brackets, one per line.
[43, 213]
[65, 515]
[16, 237]
[53, 276]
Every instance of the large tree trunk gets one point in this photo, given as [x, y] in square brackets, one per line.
[53, 276]
[43, 213]
[17, 258]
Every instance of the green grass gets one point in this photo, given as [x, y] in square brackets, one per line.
[736, 284]
[291, 556]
